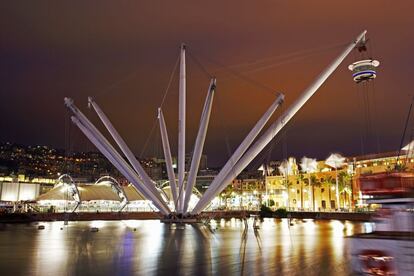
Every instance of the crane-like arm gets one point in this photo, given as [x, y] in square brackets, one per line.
[167, 156]
[104, 143]
[199, 144]
[121, 166]
[240, 150]
[125, 149]
[275, 127]
[181, 129]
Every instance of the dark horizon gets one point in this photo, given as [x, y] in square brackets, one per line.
[123, 56]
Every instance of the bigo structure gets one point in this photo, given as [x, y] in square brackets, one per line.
[181, 187]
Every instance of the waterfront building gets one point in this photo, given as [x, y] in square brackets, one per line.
[295, 193]
[292, 189]
[15, 189]
[242, 194]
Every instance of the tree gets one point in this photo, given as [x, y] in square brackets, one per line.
[226, 194]
[345, 184]
[330, 182]
[309, 165]
[285, 169]
[287, 184]
[300, 178]
[314, 183]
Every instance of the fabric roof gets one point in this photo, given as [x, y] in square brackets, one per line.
[88, 192]
[168, 193]
[97, 192]
[59, 192]
[132, 193]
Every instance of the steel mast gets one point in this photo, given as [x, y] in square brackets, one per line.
[147, 181]
[181, 129]
[168, 158]
[244, 145]
[273, 130]
[199, 143]
[96, 137]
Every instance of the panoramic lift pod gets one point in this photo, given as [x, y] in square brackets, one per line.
[364, 70]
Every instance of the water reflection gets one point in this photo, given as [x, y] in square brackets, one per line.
[152, 248]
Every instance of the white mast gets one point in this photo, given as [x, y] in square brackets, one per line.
[181, 130]
[120, 163]
[199, 144]
[275, 128]
[125, 149]
[244, 145]
[167, 156]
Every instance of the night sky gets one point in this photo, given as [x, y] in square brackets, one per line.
[123, 52]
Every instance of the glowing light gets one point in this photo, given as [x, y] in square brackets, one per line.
[335, 160]
[51, 246]
[309, 165]
[338, 227]
[287, 167]
[349, 228]
[97, 223]
[132, 223]
[368, 227]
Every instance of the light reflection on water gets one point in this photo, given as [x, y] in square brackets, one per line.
[152, 248]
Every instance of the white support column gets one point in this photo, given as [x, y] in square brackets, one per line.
[181, 129]
[244, 145]
[125, 149]
[275, 127]
[98, 135]
[123, 168]
[167, 156]
[199, 144]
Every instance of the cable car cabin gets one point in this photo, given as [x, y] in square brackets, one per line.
[387, 184]
[364, 70]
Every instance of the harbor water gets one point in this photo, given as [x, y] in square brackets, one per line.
[149, 247]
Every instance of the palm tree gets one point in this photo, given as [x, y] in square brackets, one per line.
[330, 182]
[227, 194]
[345, 185]
[335, 160]
[301, 178]
[285, 169]
[287, 184]
[314, 182]
[309, 165]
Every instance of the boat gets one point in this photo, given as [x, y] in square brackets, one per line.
[389, 249]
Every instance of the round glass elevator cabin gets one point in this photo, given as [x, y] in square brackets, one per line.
[364, 70]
